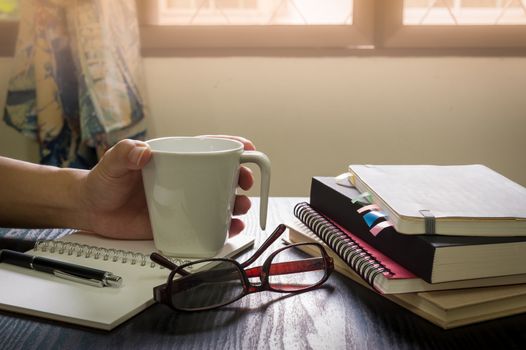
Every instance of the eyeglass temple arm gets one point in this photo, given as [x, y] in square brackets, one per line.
[273, 236]
[223, 275]
[283, 268]
[163, 261]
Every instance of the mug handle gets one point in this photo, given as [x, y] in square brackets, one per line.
[263, 162]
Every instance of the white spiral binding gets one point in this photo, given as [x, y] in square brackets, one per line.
[363, 263]
[89, 251]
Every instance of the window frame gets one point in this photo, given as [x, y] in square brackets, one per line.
[160, 38]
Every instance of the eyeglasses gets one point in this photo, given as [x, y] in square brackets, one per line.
[217, 282]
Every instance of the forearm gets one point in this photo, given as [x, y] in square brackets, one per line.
[39, 196]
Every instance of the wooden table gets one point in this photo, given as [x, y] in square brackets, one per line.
[340, 315]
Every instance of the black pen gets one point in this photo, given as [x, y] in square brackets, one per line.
[72, 272]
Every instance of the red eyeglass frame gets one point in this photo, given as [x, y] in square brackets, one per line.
[162, 293]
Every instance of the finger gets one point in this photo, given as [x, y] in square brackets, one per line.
[247, 144]
[241, 205]
[140, 155]
[246, 178]
[124, 156]
[236, 226]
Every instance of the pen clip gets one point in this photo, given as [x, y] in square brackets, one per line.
[67, 276]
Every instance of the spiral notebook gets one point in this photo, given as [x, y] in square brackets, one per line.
[374, 268]
[38, 294]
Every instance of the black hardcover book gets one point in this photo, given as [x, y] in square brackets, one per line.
[433, 258]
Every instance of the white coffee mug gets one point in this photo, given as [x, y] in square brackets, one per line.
[190, 185]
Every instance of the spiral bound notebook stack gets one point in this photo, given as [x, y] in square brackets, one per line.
[375, 268]
[38, 294]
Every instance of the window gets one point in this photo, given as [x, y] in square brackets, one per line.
[464, 12]
[255, 12]
[453, 24]
[485, 24]
[167, 26]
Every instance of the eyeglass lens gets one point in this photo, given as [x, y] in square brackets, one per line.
[299, 271]
[218, 285]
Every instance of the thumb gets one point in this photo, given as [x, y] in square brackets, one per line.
[126, 155]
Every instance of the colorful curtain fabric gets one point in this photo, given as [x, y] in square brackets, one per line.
[77, 83]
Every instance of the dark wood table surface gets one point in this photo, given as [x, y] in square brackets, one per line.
[340, 315]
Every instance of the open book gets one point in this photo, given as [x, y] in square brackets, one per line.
[38, 294]
[465, 200]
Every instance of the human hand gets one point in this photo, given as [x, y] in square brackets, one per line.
[113, 199]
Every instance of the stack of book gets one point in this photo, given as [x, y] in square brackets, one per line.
[446, 242]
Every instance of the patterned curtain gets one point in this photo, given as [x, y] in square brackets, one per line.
[77, 84]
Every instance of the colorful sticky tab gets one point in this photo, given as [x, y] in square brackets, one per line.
[342, 179]
[371, 217]
[378, 228]
[368, 208]
[365, 198]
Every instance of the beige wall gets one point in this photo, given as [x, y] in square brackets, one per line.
[315, 115]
